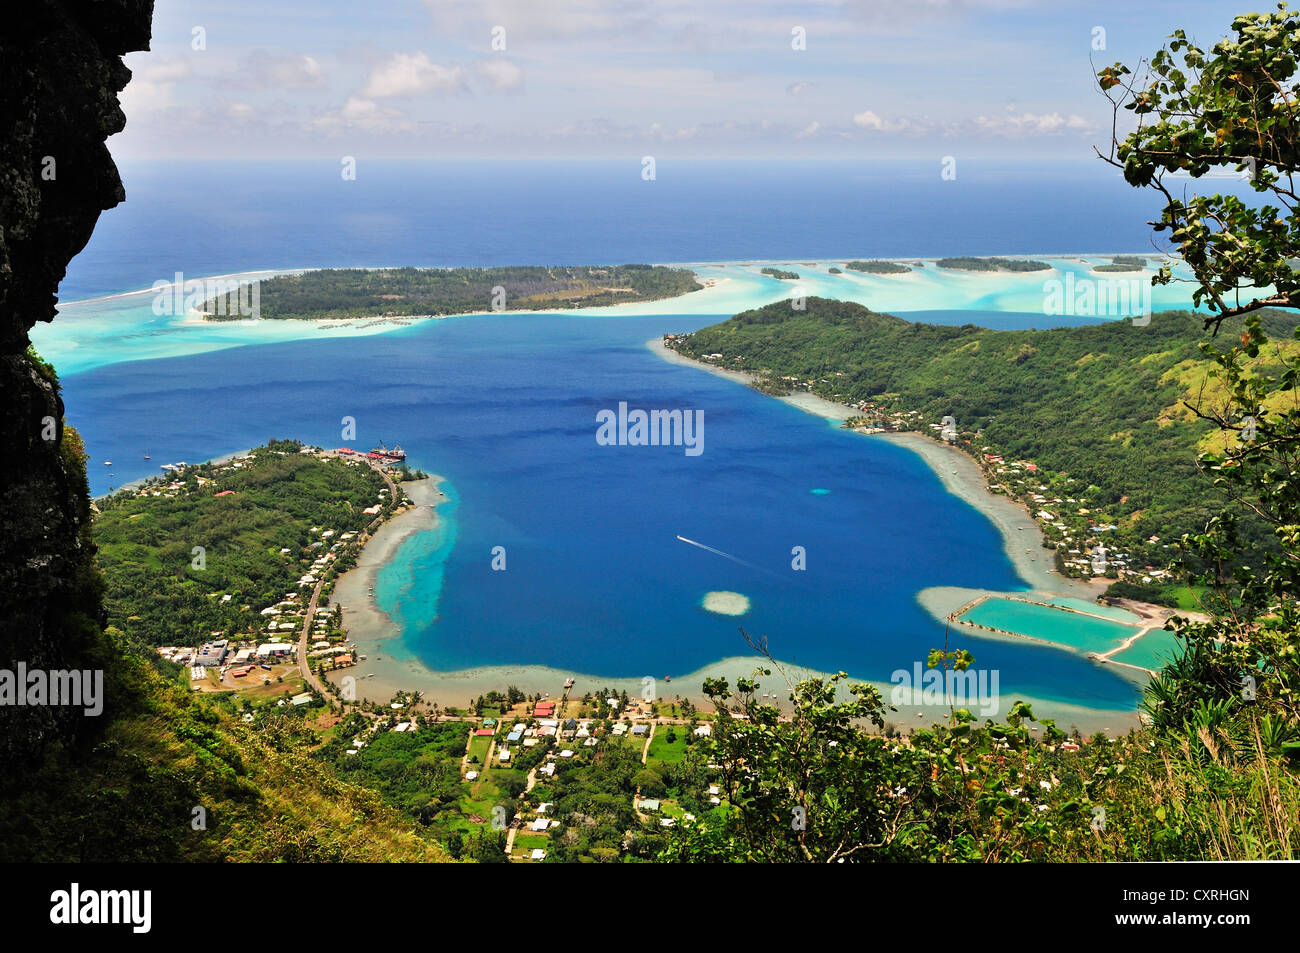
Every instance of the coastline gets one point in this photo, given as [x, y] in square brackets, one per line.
[960, 476]
[1021, 536]
[368, 626]
[276, 272]
[389, 668]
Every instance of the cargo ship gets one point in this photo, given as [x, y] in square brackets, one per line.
[395, 454]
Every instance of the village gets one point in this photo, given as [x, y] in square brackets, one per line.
[297, 635]
[520, 763]
[1075, 530]
[516, 755]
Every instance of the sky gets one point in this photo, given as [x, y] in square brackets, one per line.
[630, 78]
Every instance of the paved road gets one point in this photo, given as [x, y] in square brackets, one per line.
[308, 676]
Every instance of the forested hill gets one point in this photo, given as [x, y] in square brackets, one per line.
[1099, 408]
[256, 540]
[395, 292]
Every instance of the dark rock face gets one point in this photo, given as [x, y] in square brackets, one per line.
[60, 73]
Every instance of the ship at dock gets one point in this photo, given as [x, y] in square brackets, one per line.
[394, 454]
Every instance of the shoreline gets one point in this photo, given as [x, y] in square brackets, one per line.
[368, 626]
[390, 667]
[276, 272]
[959, 474]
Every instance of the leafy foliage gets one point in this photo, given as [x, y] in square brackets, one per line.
[1233, 107]
[156, 594]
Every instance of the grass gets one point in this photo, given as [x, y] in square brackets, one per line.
[662, 752]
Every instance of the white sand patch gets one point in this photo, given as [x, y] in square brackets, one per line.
[726, 603]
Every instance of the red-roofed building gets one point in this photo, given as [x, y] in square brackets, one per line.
[222, 493]
[483, 733]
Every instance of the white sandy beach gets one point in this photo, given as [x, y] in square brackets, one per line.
[368, 625]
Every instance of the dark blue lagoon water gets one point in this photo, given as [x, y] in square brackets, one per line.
[597, 580]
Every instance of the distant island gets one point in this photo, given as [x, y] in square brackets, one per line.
[781, 274]
[1122, 263]
[877, 267]
[993, 264]
[340, 293]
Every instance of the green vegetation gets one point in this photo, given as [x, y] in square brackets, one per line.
[1122, 263]
[780, 274]
[416, 771]
[160, 591]
[820, 787]
[992, 264]
[878, 267]
[1233, 107]
[164, 774]
[1099, 409]
[128, 792]
[168, 775]
[404, 292]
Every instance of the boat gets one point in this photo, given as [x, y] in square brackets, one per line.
[394, 453]
[108, 463]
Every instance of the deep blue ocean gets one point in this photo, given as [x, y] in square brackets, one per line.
[505, 406]
[219, 217]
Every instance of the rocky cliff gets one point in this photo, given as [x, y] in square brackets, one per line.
[60, 73]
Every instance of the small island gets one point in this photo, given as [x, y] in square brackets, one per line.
[342, 293]
[877, 267]
[965, 263]
[1122, 263]
[780, 274]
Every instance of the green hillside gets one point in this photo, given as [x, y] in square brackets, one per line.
[160, 593]
[1098, 409]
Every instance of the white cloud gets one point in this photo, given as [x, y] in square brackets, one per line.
[871, 121]
[365, 114]
[163, 70]
[808, 131]
[261, 69]
[1022, 125]
[794, 89]
[1030, 124]
[501, 74]
[150, 89]
[410, 74]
